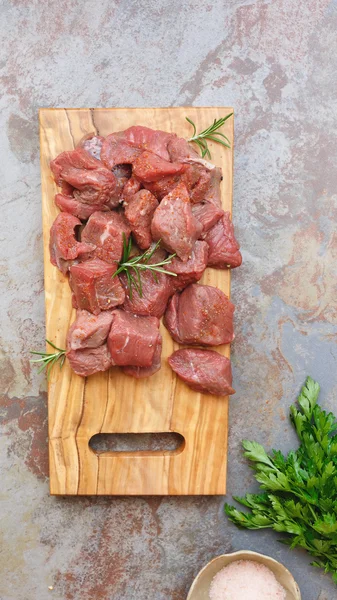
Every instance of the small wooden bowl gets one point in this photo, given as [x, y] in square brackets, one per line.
[201, 585]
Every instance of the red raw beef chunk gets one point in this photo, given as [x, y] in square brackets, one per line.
[224, 250]
[200, 315]
[70, 205]
[164, 186]
[196, 177]
[117, 150]
[207, 214]
[139, 211]
[213, 193]
[88, 330]
[63, 246]
[92, 144]
[94, 287]
[133, 340]
[131, 187]
[141, 372]
[192, 270]
[105, 230]
[174, 224]
[197, 180]
[205, 371]
[155, 141]
[155, 291]
[89, 360]
[93, 183]
[179, 150]
[149, 167]
[123, 175]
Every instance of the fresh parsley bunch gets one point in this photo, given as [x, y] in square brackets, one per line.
[300, 489]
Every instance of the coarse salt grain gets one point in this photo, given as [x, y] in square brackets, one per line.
[246, 580]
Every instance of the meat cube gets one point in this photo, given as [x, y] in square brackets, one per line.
[88, 330]
[201, 315]
[149, 167]
[156, 291]
[63, 246]
[118, 150]
[74, 207]
[213, 193]
[92, 144]
[89, 360]
[197, 180]
[179, 150]
[207, 214]
[94, 286]
[105, 230]
[131, 187]
[174, 224]
[139, 210]
[123, 174]
[224, 250]
[205, 371]
[192, 270]
[164, 186]
[142, 372]
[133, 340]
[154, 140]
[92, 182]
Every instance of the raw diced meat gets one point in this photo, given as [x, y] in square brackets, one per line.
[122, 174]
[154, 140]
[117, 150]
[88, 330]
[63, 246]
[92, 144]
[70, 205]
[174, 224]
[131, 187]
[155, 291]
[133, 340]
[89, 360]
[201, 315]
[105, 230]
[224, 250]
[205, 371]
[179, 149]
[197, 180]
[192, 270]
[94, 286]
[164, 186]
[139, 211]
[150, 167]
[93, 183]
[141, 372]
[207, 214]
[213, 193]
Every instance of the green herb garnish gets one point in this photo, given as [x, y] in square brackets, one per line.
[211, 133]
[133, 266]
[299, 495]
[48, 360]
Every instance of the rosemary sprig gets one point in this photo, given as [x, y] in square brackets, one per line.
[211, 133]
[133, 266]
[48, 360]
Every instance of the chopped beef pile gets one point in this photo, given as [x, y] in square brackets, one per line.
[144, 191]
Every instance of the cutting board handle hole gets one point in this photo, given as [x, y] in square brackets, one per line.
[140, 443]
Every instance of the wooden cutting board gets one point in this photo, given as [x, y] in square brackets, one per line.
[112, 402]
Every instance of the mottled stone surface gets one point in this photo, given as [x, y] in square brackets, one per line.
[276, 63]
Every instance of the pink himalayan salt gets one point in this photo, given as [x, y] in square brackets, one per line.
[246, 580]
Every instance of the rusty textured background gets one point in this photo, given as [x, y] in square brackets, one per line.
[276, 63]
